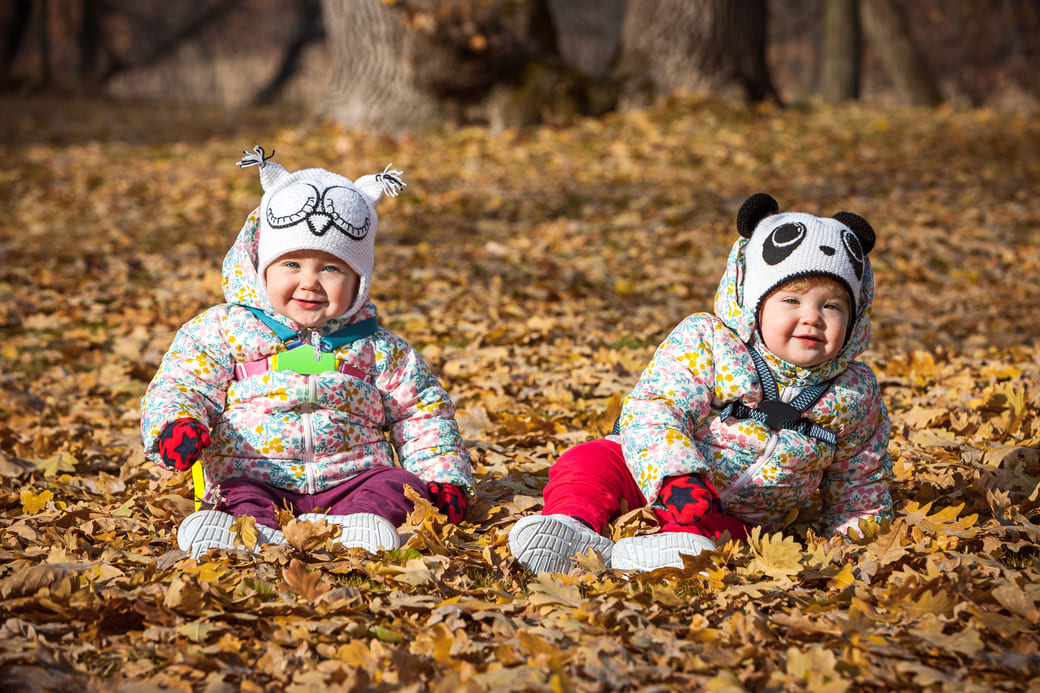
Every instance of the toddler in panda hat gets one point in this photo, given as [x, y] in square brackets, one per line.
[289, 394]
[742, 415]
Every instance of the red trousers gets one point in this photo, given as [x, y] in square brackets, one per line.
[592, 483]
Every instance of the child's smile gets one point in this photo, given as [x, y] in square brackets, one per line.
[806, 325]
[311, 287]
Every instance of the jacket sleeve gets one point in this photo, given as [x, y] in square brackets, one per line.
[191, 382]
[421, 417]
[671, 400]
[856, 485]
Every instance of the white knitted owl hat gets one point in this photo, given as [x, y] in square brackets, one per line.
[782, 247]
[315, 209]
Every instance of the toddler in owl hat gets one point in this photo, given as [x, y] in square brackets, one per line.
[741, 416]
[289, 394]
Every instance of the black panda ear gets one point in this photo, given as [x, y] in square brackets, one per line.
[860, 227]
[755, 209]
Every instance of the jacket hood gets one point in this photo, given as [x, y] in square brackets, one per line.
[242, 284]
[740, 316]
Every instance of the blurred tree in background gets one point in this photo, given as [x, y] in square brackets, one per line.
[407, 63]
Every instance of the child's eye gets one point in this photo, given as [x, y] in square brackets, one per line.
[331, 268]
[291, 265]
[791, 300]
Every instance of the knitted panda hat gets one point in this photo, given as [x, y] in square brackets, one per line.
[315, 209]
[782, 247]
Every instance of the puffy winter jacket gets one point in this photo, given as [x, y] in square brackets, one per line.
[670, 423]
[302, 433]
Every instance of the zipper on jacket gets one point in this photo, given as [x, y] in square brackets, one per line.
[786, 395]
[308, 436]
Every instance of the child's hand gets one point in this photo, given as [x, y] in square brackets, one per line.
[687, 499]
[182, 443]
[449, 499]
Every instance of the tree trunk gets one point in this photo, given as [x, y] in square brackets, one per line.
[695, 45]
[886, 29]
[840, 55]
[21, 11]
[373, 80]
[588, 34]
[309, 29]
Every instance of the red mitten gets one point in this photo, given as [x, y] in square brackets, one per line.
[449, 499]
[182, 443]
[691, 504]
[687, 499]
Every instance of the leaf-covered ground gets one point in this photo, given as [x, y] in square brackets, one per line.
[536, 271]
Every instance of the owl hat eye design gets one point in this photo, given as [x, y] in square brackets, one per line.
[784, 246]
[315, 209]
[336, 207]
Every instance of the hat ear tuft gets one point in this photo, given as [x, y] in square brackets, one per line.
[860, 227]
[374, 186]
[755, 209]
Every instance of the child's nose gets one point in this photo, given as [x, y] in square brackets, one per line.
[813, 317]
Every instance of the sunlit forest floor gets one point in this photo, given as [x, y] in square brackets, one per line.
[536, 270]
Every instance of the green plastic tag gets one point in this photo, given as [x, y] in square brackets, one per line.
[301, 360]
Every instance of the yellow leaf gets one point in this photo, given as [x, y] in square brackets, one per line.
[125, 510]
[198, 631]
[815, 669]
[547, 590]
[942, 522]
[776, 556]
[939, 603]
[843, 579]
[57, 463]
[33, 503]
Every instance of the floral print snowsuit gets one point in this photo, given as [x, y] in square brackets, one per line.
[300, 433]
[670, 422]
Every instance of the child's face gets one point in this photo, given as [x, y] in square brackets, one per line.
[804, 323]
[311, 286]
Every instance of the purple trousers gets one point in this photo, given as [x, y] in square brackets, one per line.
[379, 490]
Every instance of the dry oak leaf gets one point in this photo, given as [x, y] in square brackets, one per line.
[1014, 599]
[33, 503]
[966, 642]
[184, 595]
[775, 556]
[546, 589]
[29, 581]
[942, 522]
[815, 669]
[308, 585]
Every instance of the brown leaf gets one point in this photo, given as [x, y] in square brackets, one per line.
[309, 585]
[28, 581]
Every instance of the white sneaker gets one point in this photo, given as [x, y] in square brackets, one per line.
[653, 551]
[211, 529]
[546, 543]
[361, 530]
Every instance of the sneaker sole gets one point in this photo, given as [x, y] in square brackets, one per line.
[205, 530]
[211, 529]
[361, 531]
[543, 544]
[655, 551]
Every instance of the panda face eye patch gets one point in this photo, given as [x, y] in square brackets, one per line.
[782, 241]
[855, 251]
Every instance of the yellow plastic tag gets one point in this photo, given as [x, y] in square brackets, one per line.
[199, 481]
